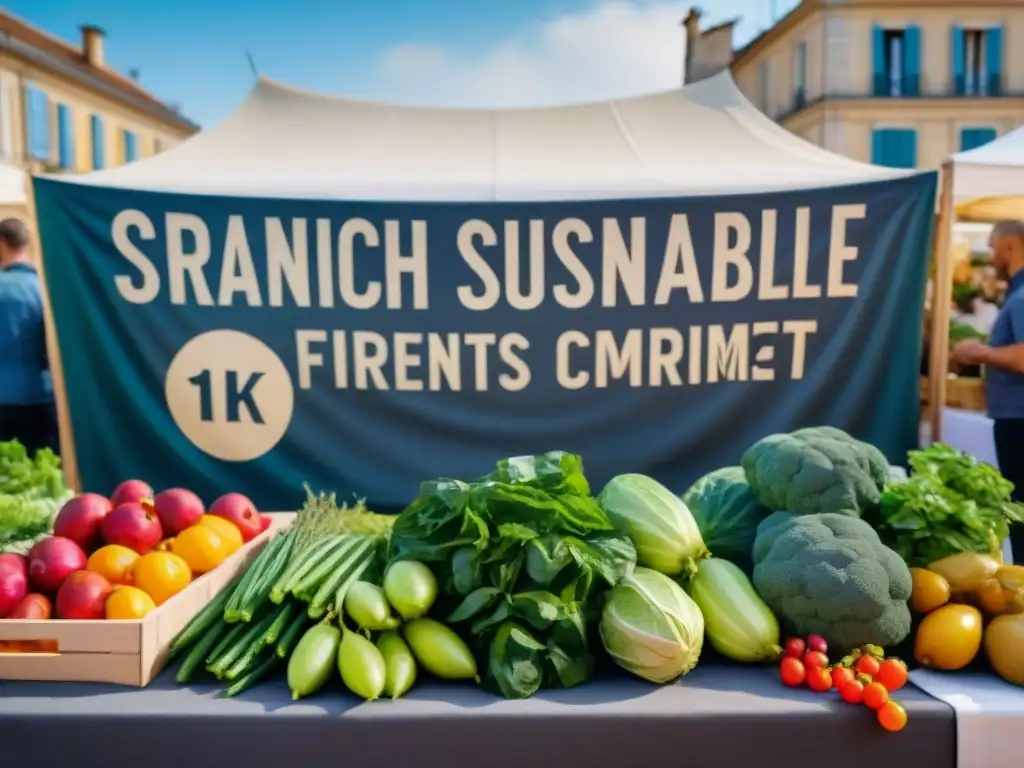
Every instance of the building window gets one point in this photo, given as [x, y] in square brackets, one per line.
[38, 118]
[763, 86]
[897, 61]
[894, 147]
[972, 138]
[800, 74]
[96, 127]
[131, 146]
[65, 137]
[978, 61]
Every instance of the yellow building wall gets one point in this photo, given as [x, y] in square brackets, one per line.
[83, 104]
[840, 62]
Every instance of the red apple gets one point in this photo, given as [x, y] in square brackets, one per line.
[240, 511]
[32, 606]
[134, 526]
[178, 509]
[51, 561]
[83, 595]
[13, 582]
[79, 519]
[131, 492]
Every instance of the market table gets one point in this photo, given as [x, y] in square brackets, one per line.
[716, 716]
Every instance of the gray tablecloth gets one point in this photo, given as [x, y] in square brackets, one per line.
[716, 716]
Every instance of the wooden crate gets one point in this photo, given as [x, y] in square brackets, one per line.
[963, 393]
[120, 652]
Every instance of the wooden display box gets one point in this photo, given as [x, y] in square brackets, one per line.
[963, 393]
[120, 652]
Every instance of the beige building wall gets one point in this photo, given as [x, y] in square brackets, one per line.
[840, 112]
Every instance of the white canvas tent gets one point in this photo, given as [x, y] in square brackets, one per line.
[703, 139]
[988, 182]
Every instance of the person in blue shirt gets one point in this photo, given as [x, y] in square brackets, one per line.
[1003, 358]
[27, 411]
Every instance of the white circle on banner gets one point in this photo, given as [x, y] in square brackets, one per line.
[230, 394]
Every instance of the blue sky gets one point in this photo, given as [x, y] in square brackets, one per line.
[440, 52]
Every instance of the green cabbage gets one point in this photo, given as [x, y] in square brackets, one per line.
[664, 532]
[651, 627]
[727, 514]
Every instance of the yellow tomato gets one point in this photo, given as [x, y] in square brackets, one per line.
[161, 575]
[201, 547]
[128, 603]
[949, 638]
[113, 562]
[227, 530]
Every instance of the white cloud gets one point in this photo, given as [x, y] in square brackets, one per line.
[613, 49]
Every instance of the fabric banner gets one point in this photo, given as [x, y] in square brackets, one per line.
[257, 344]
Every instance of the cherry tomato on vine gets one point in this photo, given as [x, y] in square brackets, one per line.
[817, 643]
[841, 676]
[792, 672]
[815, 659]
[892, 716]
[875, 695]
[867, 665]
[795, 647]
[852, 692]
[819, 679]
[892, 673]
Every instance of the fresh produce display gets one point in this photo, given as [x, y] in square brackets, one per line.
[950, 503]
[32, 489]
[864, 676]
[522, 558]
[727, 514]
[816, 470]
[97, 560]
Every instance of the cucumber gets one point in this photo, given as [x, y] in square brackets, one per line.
[356, 562]
[196, 655]
[261, 670]
[300, 564]
[291, 636]
[209, 615]
[313, 660]
[306, 587]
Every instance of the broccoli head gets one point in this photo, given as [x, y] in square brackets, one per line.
[815, 470]
[831, 575]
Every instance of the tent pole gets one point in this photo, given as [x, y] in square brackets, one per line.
[68, 457]
[942, 300]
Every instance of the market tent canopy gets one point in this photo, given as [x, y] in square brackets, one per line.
[12, 187]
[703, 139]
[988, 182]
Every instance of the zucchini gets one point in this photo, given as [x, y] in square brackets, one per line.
[351, 568]
[313, 660]
[737, 621]
[306, 588]
[300, 565]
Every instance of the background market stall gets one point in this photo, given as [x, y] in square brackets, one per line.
[701, 142]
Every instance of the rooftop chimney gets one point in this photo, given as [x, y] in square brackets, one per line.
[92, 45]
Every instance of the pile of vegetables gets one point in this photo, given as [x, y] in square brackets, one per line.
[521, 557]
[32, 491]
[950, 503]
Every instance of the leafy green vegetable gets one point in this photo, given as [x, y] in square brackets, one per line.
[31, 493]
[951, 503]
[522, 557]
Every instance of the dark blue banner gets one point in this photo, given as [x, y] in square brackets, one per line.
[258, 344]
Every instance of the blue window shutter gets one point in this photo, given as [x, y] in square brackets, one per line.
[959, 62]
[66, 136]
[994, 60]
[96, 124]
[880, 81]
[909, 153]
[912, 61]
[878, 147]
[131, 147]
[38, 118]
[972, 138]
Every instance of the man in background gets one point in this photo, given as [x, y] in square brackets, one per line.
[27, 411]
[1003, 357]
